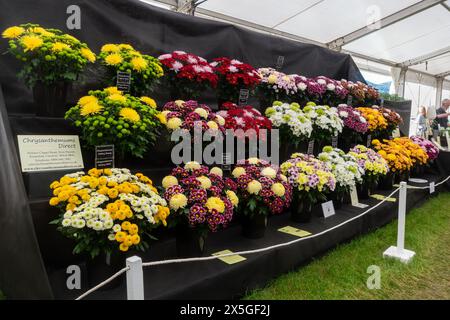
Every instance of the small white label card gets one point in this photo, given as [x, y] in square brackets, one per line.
[49, 152]
[334, 141]
[432, 187]
[280, 62]
[328, 209]
[243, 97]
[354, 199]
[311, 147]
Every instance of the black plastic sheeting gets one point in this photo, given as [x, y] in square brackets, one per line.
[156, 31]
[404, 109]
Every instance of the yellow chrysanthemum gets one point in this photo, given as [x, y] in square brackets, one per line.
[162, 116]
[192, 165]
[278, 189]
[169, 181]
[88, 54]
[90, 108]
[139, 64]
[254, 187]
[109, 48]
[220, 120]
[215, 203]
[149, 101]
[129, 114]
[117, 98]
[217, 171]
[233, 198]
[112, 90]
[238, 171]
[269, 172]
[113, 59]
[31, 42]
[87, 99]
[174, 123]
[42, 31]
[60, 46]
[212, 125]
[125, 46]
[13, 32]
[201, 112]
[178, 201]
[253, 160]
[205, 182]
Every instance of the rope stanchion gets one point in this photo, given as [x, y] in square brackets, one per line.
[101, 284]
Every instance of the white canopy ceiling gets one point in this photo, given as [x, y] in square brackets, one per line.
[396, 33]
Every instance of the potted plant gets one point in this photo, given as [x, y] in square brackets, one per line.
[377, 123]
[418, 155]
[430, 148]
[333, 93]
[294, 125]
[393, 120]
[107, 212]
[201, 200]
[311, 180]
[233, 75]
[51, 62]
[263, 191]
[355, 126]
[275, 86]
[108, 116]
[373, 167]
[187, 75]
[144, 70]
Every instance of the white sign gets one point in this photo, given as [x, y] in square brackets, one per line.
[49, 152]
[328, 209]
[355, 200]
[432, 187]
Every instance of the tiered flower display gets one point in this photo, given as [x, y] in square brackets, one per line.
[246, 120]
[234, 75]
[144, 70]
[200, 197]
[275, 86]
[325, 121]
[188, 114]
[429, 147]
[333, 93]
[187, 75]
[48, 55]
[362, 94]
[397, 157]
[107, 210]
[375, 119]
[372, 163]
[310, 178]
[110, 117]
[294, 125]
[262, 189]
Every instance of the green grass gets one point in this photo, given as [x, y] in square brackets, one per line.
[342, 273]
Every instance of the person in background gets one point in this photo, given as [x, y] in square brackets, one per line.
[442, 115]
[422, 122]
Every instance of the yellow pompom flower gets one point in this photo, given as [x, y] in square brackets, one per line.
[253, 160]
[220, 120]
[90, 108]
[201, 112]
[88, 54]
[87, 99]
[117, 98]
[212, 125]
[192, 165]
[130, 114]
[120, 236]
[169, 181]
[113, 59]
[149, 101]
[174, 123]
[254, 187]
[269, 172]
[113, 193]
[215, 203]
[205, 183]
[133, 229]
[54, 201]
[123, 247]
[59, 46]
[13, 32]
[112, 90]
[109, 48]
[238, 171]
[162, 117]
[31, 42]
[139, 64]
[178, 201]
[217, 171]
[278, 189]
[232, 197]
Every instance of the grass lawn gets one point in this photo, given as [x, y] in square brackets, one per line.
[342, 273]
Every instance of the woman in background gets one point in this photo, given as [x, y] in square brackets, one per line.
[422, 122]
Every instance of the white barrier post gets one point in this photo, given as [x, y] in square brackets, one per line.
[399, 252]
[135, 279]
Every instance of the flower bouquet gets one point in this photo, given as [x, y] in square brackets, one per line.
[311, 180]
[326, 122]
[107, 212]
[187, 75]
[333, 93]
[201, 200]
[294, 125]
[234, 75]
[355, 125]
[110, 117]
[51, 61]
[144, 70]
[345, 170]
[263, 190]
[275, 86]
[373, 166]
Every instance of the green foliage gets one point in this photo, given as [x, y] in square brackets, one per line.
[391, 97]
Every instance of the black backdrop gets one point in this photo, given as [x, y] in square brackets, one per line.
[153, 31]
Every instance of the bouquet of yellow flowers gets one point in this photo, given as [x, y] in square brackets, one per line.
[144, 70]
[48, 55]
[109, 209]
[110, 117]
[374, 118]
[396, 155]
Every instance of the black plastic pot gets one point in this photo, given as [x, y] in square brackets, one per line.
[418, 171]
[387, 181]
[254, 227]
[104, 266]
[337, 198]
[301, 211]
[51, 101]
[190, 242]
[402, 176]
